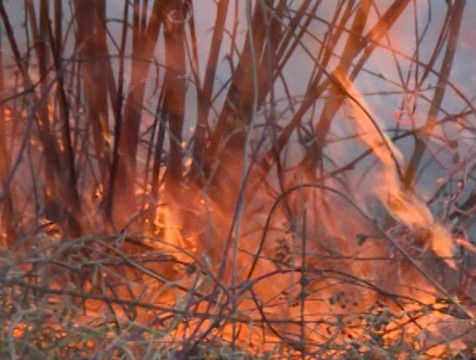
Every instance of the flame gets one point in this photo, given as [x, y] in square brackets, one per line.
[304, 301]
[399, 201]
[280, 306]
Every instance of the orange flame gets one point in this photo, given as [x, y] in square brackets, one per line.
[401, 203]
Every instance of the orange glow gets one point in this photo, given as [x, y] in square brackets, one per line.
[282, 259]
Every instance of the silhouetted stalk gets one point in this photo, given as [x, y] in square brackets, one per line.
[175, 15]
[205, 94]
[139, 68]
[7, 222]
[109, 199]
[160, 118]
[235, 114]
[136, 26]
[336, 96]
[303, 281]
[89, 49]
[245, 166]
[43, 121]
[285, 51]
[70, 196]
[456, 12]
[132, 112]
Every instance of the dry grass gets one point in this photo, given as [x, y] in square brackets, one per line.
[165, 182]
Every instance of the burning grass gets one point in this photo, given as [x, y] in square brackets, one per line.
[174, 193]
[142, 296]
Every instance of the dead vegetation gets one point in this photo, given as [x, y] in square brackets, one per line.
[262, 180]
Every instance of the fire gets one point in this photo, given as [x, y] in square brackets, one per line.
[321, 294]
[399, 201]
[134, 252]
[313, 275]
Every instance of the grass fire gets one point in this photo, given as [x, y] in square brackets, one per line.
[247, 179]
